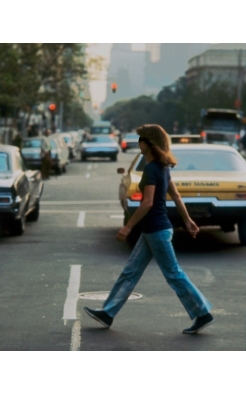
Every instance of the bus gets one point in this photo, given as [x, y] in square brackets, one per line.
[221, 126]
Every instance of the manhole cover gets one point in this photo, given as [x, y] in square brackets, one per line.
[102, 295]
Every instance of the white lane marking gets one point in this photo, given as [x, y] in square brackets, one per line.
[75, 211]
[68, 202]
[117, 216]
[70, 305]
[58, 211]
[76, 337]
[87, 175]
[81, 219]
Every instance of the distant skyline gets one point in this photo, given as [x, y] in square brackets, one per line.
[98, 88]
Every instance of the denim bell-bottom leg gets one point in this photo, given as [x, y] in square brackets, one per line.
[159, 246]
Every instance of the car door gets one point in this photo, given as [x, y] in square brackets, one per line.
[34, 182]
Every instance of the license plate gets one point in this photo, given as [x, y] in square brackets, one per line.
[199, 211]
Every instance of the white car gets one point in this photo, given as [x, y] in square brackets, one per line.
[99, 146]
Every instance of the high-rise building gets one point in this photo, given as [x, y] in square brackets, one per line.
[127, 71]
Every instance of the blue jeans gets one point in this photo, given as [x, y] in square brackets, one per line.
[159, 246]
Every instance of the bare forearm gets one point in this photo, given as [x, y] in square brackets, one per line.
[182, 209]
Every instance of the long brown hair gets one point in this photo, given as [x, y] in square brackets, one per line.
[159, 142]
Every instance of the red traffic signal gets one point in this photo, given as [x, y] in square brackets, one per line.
[114, 87]
[52, 107]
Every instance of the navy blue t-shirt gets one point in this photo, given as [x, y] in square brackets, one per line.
[156, 219]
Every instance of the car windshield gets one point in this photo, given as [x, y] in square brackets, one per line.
[100, 130]
[131, 136]
[4, 163]
[32, 143]
[100, 139]
[190, 160]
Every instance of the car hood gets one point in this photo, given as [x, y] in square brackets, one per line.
[6, 181]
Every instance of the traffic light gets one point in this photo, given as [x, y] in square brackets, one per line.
[52, 107]
[113, 87]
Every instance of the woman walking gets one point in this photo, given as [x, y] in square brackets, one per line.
[156, 238]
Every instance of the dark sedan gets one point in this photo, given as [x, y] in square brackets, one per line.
[20, 191]
[99, 146]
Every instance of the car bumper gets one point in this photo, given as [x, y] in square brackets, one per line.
[34, 163]
[100, 153]
[11, 211]
[204, 211]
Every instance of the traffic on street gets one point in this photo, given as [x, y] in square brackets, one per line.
[70, 259]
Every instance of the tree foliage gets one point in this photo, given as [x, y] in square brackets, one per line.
[32, 74]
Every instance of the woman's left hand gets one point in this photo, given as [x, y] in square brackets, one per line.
[123, 233]
[192, 228]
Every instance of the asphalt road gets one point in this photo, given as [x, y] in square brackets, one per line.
[70, 259]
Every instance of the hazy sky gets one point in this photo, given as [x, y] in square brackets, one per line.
[98, 88]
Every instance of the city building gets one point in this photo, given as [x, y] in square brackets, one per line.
[222, 62]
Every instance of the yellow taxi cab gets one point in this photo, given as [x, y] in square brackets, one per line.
[186, 139]
[211, 180]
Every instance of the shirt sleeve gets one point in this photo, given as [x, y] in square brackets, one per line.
[150, 176]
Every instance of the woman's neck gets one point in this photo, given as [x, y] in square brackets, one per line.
[149, 157]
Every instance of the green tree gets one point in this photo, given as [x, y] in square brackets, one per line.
[127, 115]
[75, 117]
[220, 94]
[31, 74]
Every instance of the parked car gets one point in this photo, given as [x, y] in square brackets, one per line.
[99, 146]
[77, 137]
[59, 154]
[20, 191]
[33, 150]
[211, 180]
[129, 141]
[71, 144]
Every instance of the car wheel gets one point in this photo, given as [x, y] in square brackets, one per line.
[114, 158]
[83, 157]
[58, 171]
[1, 229]
[33, 216]
[17, 226]
[241, 226]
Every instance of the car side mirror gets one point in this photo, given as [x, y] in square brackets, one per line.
[120, 170]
